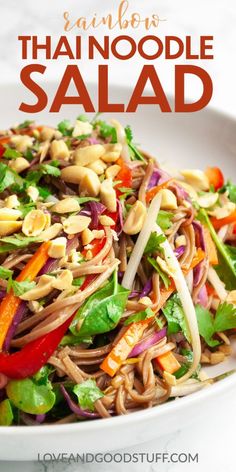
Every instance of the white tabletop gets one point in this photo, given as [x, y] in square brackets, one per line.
[213, 439]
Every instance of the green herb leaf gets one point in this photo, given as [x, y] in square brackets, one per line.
[19, 240]
[225, 318]
[82, 200]
[6, 414]
[134, 151]
[25, 208]
[7, 177]
[231, 189]
[206, 325]
[141, 315]
[25, 124]
[11, 153]
[78, 281]
[107, 131]
[82, 118]
[33, 177]
[164, 219]
[102, 311]
[154, 243]
[71, 340]
[51, 169]
[227, 266]
[87, 393]
[19, 288]
[30, 396]
[65, 128]
[164, 277]
[5, 273]
[174, 314]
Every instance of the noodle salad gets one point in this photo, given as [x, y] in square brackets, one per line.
[117, 279]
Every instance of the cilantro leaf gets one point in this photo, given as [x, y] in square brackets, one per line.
[225, 318]
[33, 177]
[141, 315]
[7, 177]
[51, 169]
[11, 153]
[25, 124]
[107, 131]
[25, 208]
[227, 267]
[65, 128]
[78, 281]
[164, 277]
[164, 219]
[174, 314]
[82, 118]
[231, 189]
[134, 151]
[154, 243]
[5, 273]
[206, 325]
[19, 288]
[87, 393]
[19, 240]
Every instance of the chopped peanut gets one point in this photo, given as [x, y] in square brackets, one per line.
[33, 193]
[81, 128]
[108, 195]
[135, 218]
[106, 220]
[59, 149]
[112, 171]
[88, 154]
[21, 142]
[12, 201]
[57, 248]
[87, 236]
[19, 164]
[76, 224]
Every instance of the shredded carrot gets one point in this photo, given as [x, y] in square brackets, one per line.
[11, 302]
[153, 191]
[218, 223]
[134, 333]
[199, 256]
[123, 348]
[211, 248]
[168, 362]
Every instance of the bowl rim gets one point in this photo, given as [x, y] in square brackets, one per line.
[143, 415]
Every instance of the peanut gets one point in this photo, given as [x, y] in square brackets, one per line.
[112, 152]
[88, 154]
[59, 149]
[76, 224]
[19, 164]
[34, 223]
[67, 205]
[135, 218]
[90, 184]
[108, 195]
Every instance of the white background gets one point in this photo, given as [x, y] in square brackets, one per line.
[215, 439]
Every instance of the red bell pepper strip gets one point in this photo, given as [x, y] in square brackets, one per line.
[215, 177]
[4, 140]
[218, 223]
[33, 355]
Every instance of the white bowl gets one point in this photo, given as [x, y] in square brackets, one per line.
[184, 140]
